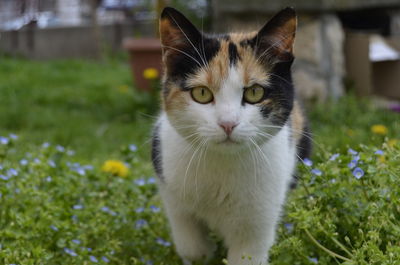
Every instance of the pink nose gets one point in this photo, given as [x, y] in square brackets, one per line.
[227, 126]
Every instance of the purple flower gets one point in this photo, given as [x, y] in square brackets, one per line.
[54, 228]
[105, 209]
[105, 259]
[51, 163]
[358, 173]
[36, 160]
[154, 209]
[48, 179]
[379, 152]
[151, 180]
[76, 241]
[93, 259]
[333, 157]
[352, 164]
[23, 162]
[77, 207]
[352, 152]
[45, 145]
[70, 152]
[60, 148]
[70, 252]
[4, 177]
[140, 182]
[133, 148]
[139, 210]
[12, 172]
[140, 223]
[4, 140]
[289, 227]
[313, 260]
[307, 162]
[316, 172]
[162, 242]
[13, 136]
[356, 158]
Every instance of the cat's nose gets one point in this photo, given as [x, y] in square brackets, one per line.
[228, 126]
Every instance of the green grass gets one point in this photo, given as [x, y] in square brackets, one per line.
[58, 205]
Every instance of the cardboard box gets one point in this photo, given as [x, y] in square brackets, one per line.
[373, 64]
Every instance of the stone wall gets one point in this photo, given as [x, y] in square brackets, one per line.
[319, 68]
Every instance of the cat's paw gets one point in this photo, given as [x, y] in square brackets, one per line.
[195, 251]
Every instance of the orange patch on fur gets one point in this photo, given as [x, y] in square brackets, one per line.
[298, 122]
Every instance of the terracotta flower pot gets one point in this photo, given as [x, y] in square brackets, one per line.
[145, 60]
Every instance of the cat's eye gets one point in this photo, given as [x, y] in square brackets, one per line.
[202, 94]
[253, 94]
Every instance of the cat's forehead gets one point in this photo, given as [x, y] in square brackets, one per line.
[233, 51]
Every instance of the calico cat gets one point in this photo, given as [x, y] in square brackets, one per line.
[228, 137]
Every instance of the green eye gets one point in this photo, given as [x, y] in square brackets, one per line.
[202, 94]
[253, 94]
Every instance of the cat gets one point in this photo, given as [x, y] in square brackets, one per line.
[227, 140]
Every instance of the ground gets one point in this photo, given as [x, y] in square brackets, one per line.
[61, 120]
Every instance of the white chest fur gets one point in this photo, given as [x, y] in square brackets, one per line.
[238, 195]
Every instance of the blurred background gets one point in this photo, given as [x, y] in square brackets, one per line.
[85, 73]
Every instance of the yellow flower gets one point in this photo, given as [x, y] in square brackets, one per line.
[150, 73]
[115, 167]
[379, 129]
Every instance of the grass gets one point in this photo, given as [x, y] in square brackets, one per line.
[60, 208]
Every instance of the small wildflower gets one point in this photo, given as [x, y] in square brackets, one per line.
[358, 173]
[139, 210]
[307, 162]
[70, 252]
[333, 157]
[163, 242]
[356, 158]
[132, 148]
[48, 179]
[81, 171]
[313, 260]
[379, 129]
[289, 227]
[333, 180]
[36, 161]
[379, 152]
[140, 223]
[13, 136]
[60, 148]
[105, 209]
[88, 167]
[54, 228]
[1, 167]
[115, 167]
[154, 209]
[45, 145]
[151, 180]
[51, 163]
[140, 182]
[4, 177]
[150, 73]
[70, 152]
[76, 241]
[12, 172]
[23, 162]
[352, 152]
[89, 249]
[4, 140]
[93, 259]
[352, 164]
[316, 172]
[105, 259]
[77, 207]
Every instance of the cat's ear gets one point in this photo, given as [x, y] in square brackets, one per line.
[176, 31]
[276, 38]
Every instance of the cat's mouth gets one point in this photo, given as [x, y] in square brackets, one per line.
[228, 141]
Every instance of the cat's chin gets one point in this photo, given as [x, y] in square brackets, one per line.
[228, 145]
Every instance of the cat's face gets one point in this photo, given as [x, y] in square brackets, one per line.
[231, 90]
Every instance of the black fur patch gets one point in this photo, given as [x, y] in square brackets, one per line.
[233, 53]
[156, 156]
[281, 92]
